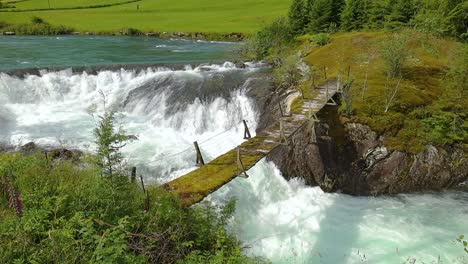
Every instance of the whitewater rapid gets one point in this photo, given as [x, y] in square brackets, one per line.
[284, 221]
[166, 109]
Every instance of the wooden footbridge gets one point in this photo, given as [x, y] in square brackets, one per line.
[196, 185]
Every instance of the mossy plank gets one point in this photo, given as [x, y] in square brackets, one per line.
[196, 185]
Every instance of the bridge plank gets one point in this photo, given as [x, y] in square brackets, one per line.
[196, 185]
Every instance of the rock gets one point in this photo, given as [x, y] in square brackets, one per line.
[9, 33]
[64, 154]
[240, 65]
[28, 148]
[353, 159]
[375, 155]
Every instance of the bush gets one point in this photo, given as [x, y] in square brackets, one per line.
[70, 212]
[39, 29]
[131, 32]
[394, 52]
[273, 39]
[288, 74]
[37, 20]
[321, 39]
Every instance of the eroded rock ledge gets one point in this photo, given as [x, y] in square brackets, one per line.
[351, 158]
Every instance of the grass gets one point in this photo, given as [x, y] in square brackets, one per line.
[44, 4]
[244, 16]
[421, 88]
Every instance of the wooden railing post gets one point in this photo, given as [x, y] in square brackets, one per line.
[246, 130]
[199, 161]
[281, 109]
[133, 175]
[240, 165]
[302, 92]
[283, 139]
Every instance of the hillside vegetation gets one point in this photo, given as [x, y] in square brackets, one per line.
[244, 16]
[404, 75]
[428, 106]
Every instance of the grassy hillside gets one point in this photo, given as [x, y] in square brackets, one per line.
[244, 16]
[428, 107]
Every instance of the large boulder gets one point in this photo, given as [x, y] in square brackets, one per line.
[353, 159]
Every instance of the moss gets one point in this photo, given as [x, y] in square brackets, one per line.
[196, 185]
[421, 87]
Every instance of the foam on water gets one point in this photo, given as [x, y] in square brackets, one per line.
[163, 107]
[289, 222]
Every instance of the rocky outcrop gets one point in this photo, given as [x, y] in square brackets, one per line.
[353, 159]
[51, 154]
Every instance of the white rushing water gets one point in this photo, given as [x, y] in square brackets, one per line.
[284, 221]
[167, 109]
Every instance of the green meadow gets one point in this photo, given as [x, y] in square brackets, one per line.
[245, 16]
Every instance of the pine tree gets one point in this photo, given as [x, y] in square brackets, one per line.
[377, 10]
[320, 15]
[353, 16]
[298, 17]
[402, 11]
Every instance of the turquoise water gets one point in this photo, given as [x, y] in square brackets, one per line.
[35, 52]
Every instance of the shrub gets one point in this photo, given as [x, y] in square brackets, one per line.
[37, 20]
[109, 140]
[321, 39]
[72, 213]
[289, 73]
[394, 52]
[131, 32]
[273, 39]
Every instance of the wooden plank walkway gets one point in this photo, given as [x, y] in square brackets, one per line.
[196, 185]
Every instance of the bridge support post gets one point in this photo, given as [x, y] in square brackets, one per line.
[330, 100]
[313, 135]
[283, 139]
[312, 120]
[281, 109]
[240, 165]
[147, 199]
[246, 130]
[133, 175]
[200, 161]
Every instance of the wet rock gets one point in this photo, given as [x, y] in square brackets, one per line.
[240, 64]
[9, 33]
[353, 159]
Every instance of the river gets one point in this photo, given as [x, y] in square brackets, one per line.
[189, 91]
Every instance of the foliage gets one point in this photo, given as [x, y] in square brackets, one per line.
[289, 73]
[131, 32]
[394, 53]
[37, 20]
[72, 213]
[37, 27]
[109, 140]
[273, 39]
[346, 106]
[430, 104]
[298, 17]
[462, 241]
[321, 39]
[321, 14]
[353, 16]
